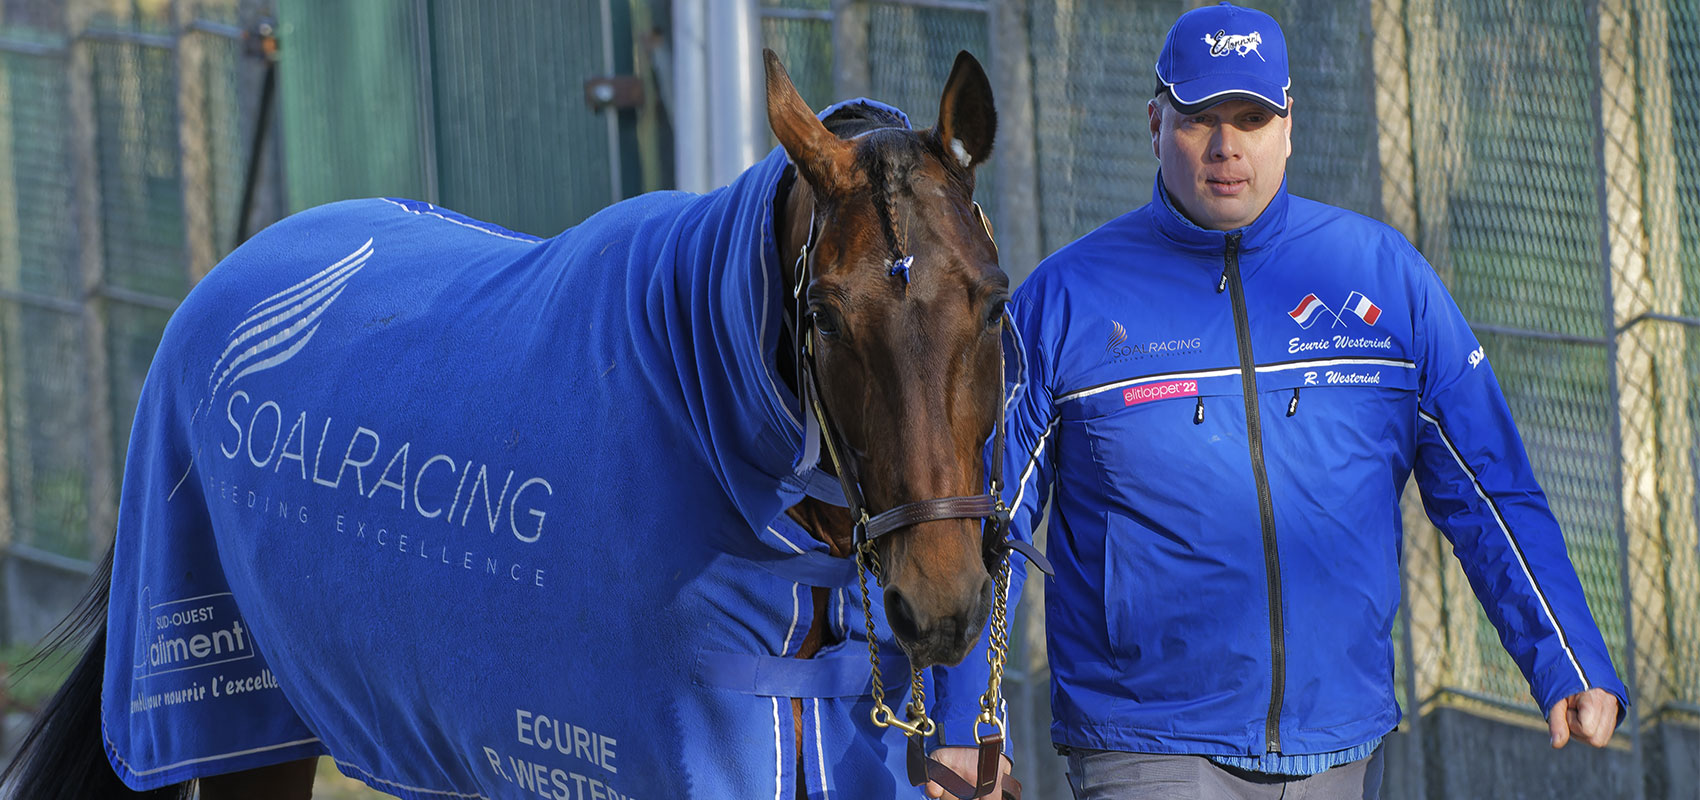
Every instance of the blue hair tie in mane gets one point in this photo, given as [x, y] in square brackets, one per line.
[901, 266]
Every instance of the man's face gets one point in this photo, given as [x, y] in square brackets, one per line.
[1224, 164]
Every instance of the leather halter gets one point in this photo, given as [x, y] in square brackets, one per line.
[995, 540]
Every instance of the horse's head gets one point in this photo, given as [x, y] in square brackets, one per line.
[907, 354]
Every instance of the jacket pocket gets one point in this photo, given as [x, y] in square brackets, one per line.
[1142, 432]
[1170, 477]
[1323, 426]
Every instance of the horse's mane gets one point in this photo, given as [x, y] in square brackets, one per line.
[888, 163]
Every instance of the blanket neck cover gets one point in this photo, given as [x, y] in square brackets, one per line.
[483, 515]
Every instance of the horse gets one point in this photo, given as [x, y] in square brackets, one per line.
[480, 514]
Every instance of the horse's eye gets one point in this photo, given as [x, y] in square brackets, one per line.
[994, 314]
[826, 322]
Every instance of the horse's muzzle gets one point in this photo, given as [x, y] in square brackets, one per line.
[938, 636]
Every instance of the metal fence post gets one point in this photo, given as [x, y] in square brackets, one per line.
[1609, 78]
[11, 261]
[611, 114]
[427, 125]
[850, 49]
[91, 256]
[737, 108]
[1016, 161]
[192, 133]
[690, 96]
[1414, 783]
[1391, 58]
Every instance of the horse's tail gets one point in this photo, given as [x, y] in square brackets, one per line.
[64, 755]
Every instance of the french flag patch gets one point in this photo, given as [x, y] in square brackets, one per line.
[1361, 306]
[1305, 313]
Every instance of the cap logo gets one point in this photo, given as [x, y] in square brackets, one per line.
[1224, 43]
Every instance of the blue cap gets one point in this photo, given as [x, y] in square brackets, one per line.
[1224, 52]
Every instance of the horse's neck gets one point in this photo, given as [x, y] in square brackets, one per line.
[826, 522]
[820, 520]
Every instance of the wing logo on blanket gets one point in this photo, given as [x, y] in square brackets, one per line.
[279, 326]
[269, 426]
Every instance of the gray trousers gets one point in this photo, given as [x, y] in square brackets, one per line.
[1115, 775]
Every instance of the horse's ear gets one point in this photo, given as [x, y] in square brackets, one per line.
[967, 119]
[822, 158]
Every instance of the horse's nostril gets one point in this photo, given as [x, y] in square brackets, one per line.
[901, 616]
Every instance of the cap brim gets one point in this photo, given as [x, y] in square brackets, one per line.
[1191, 97]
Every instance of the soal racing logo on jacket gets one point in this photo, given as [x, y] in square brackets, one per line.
[1118, 348]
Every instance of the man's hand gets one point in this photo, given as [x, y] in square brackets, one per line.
[965, 761]
[1590, 715]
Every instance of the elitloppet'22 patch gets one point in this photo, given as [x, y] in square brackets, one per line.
[1134, 395]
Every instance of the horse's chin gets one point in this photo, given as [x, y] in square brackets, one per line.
[950, 640]
[932, 656]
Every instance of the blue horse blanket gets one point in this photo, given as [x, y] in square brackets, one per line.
[483, 515]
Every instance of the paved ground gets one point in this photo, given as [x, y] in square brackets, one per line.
[329, 785]
[333, 785]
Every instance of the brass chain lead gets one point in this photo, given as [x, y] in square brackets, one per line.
[918, 723]
[917, 708]
[997, 652]
[864, 554]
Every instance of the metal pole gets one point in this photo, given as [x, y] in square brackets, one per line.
[690, 92]
[256, 148]
[850, 49]
[1015, 159]
[1608, 318]
[84, 101]
[735, 115]
[610, 113]
[427, 123]
[1414, 779]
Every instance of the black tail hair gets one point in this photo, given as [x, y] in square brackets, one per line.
[63, 757]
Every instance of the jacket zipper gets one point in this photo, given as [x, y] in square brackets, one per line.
[1260, 475]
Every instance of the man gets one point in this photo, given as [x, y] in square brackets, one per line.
[1228, 389]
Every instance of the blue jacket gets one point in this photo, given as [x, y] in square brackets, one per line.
[1227, 420]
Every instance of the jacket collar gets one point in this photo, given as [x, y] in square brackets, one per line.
[1180, 232]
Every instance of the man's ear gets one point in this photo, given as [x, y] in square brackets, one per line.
[1154, 110]
[1289, 126]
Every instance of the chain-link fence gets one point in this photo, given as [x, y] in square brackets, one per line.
[125, 135]
[482, 112]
